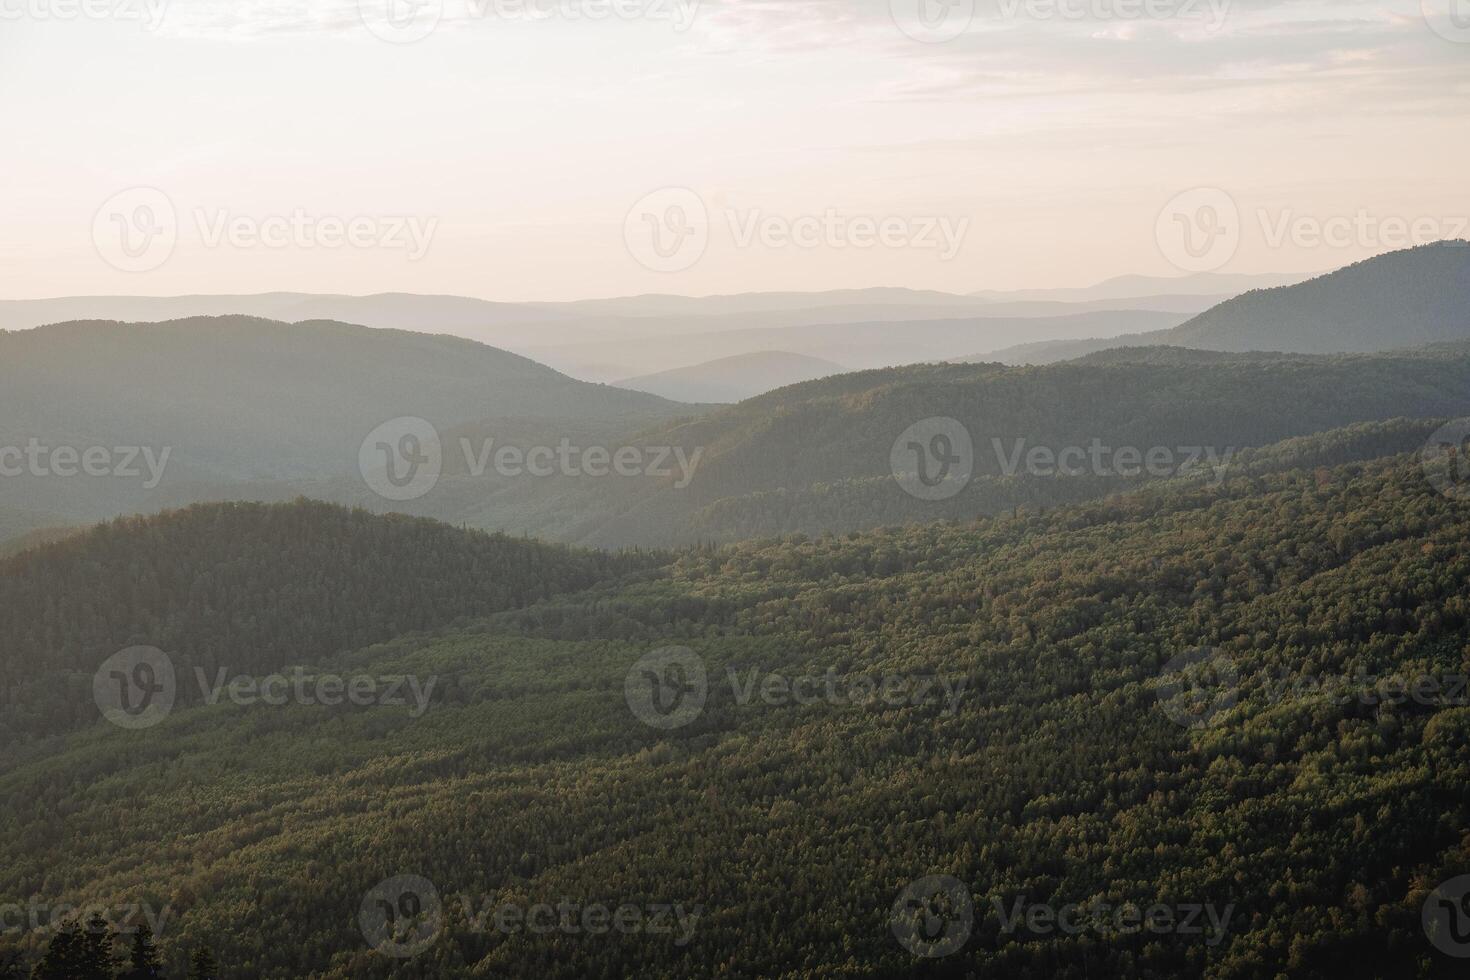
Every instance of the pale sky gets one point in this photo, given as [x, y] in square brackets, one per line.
[1045, 146]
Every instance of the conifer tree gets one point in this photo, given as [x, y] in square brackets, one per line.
[143, 961]
[202, 965]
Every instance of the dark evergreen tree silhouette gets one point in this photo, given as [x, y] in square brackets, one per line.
[75, 953]
[143, 961]
[202, 965]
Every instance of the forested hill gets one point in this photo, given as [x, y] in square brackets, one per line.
[820, 455]
[1401, 299]
[254, 408]
[1407, 298]
[1310, 807]
[254, 588]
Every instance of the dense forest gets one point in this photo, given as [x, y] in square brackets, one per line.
[251, 588]
[816, 457]
[1315, 823]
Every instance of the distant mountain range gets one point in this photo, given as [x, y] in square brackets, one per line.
[1128, 287]
[733, 379]
[1402, 299]
[575, 337]
[256, 409]
[865, 344]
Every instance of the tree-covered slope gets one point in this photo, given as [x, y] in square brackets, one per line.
[1314, 824]
[820, 456]
[1401, 299]
[253, 588]
[1408, 298]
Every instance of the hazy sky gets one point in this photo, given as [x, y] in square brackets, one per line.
[786, 144]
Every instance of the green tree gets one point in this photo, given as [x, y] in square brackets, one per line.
[202, 965]
[77, 952]
[143, 962]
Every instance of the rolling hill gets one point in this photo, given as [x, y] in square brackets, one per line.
[818, 456]
[1408, 298]
[254, 408]
[252, 588]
